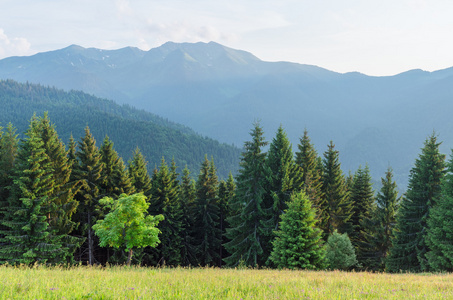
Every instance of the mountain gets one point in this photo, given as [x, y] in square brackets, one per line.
[219, 92]
[127, 127]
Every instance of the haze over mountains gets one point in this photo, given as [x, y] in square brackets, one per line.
[219, 92]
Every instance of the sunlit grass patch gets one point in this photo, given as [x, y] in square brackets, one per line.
[214, 283]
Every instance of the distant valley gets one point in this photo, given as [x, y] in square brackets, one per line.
[219, 92]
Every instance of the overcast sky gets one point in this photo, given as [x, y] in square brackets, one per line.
[382, 37]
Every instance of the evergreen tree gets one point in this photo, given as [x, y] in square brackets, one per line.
[409, 246]
[207, 232]
[88, 171]
[440, 229]
[362, 198]
[8, 152]
[246, 227]
[63, 204]
[379, 226]
[164, 201]
[27, 237]
[298, 244]
[116, 178]
[337, 203]
[283, 178]
[308, 161]
[226, 196]
[187, 196]
[139, 173]
[340, 254]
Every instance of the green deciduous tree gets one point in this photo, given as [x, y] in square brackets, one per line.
[127, 225]
[298, 243]
[409, 246]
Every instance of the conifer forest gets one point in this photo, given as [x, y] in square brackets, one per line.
[281, 210]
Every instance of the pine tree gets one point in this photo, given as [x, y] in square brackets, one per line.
[440, 229]
[28, 238]
[379, 226]
[284, 178]
[164, 201]
[63, 204]
[337, 203]
[362, 198]
[226, 196]
[139, 173]
[246, 227]
[298, 244]
[8, 152]
[308, 161]
[206, 227]
[409, 246]
[116, 178]
[88, 170]
[187, 195]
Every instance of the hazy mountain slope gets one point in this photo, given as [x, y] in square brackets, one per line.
[220, 91]
[126, 127]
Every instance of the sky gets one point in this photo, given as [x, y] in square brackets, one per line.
[378, 38]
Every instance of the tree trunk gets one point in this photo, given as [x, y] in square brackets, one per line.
[129, 258]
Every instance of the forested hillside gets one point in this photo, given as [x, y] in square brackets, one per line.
[127, 127]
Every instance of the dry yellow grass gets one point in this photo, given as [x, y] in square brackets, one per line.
[212, 283]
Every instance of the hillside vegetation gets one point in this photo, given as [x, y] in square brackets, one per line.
[127, 127]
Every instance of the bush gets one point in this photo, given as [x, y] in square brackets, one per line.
[340, 252]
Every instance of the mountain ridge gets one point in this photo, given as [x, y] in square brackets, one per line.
[219, 91]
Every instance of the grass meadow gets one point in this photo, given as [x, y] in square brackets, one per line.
[212, 283]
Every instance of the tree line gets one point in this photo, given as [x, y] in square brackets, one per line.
[283, 209]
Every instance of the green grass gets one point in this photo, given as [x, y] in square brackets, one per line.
[211, 283]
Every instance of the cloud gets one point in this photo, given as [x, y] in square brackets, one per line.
[13, 46]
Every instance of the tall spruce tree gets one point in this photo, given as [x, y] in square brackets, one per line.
[283, 178]
[8, 152]
[362, 198]
[409, 246]
[164, 201]
[298, 244]
[207, 231]
[88, 171]
[28, 237]
[63, 205]
[226, 196]
[337, 202]
[379, 226]
[308, 161]
[187, 196]
[440, 228]
[116, 178]
[246, 226]
[139, 173]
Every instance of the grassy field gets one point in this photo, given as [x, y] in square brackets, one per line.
[211, 283]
